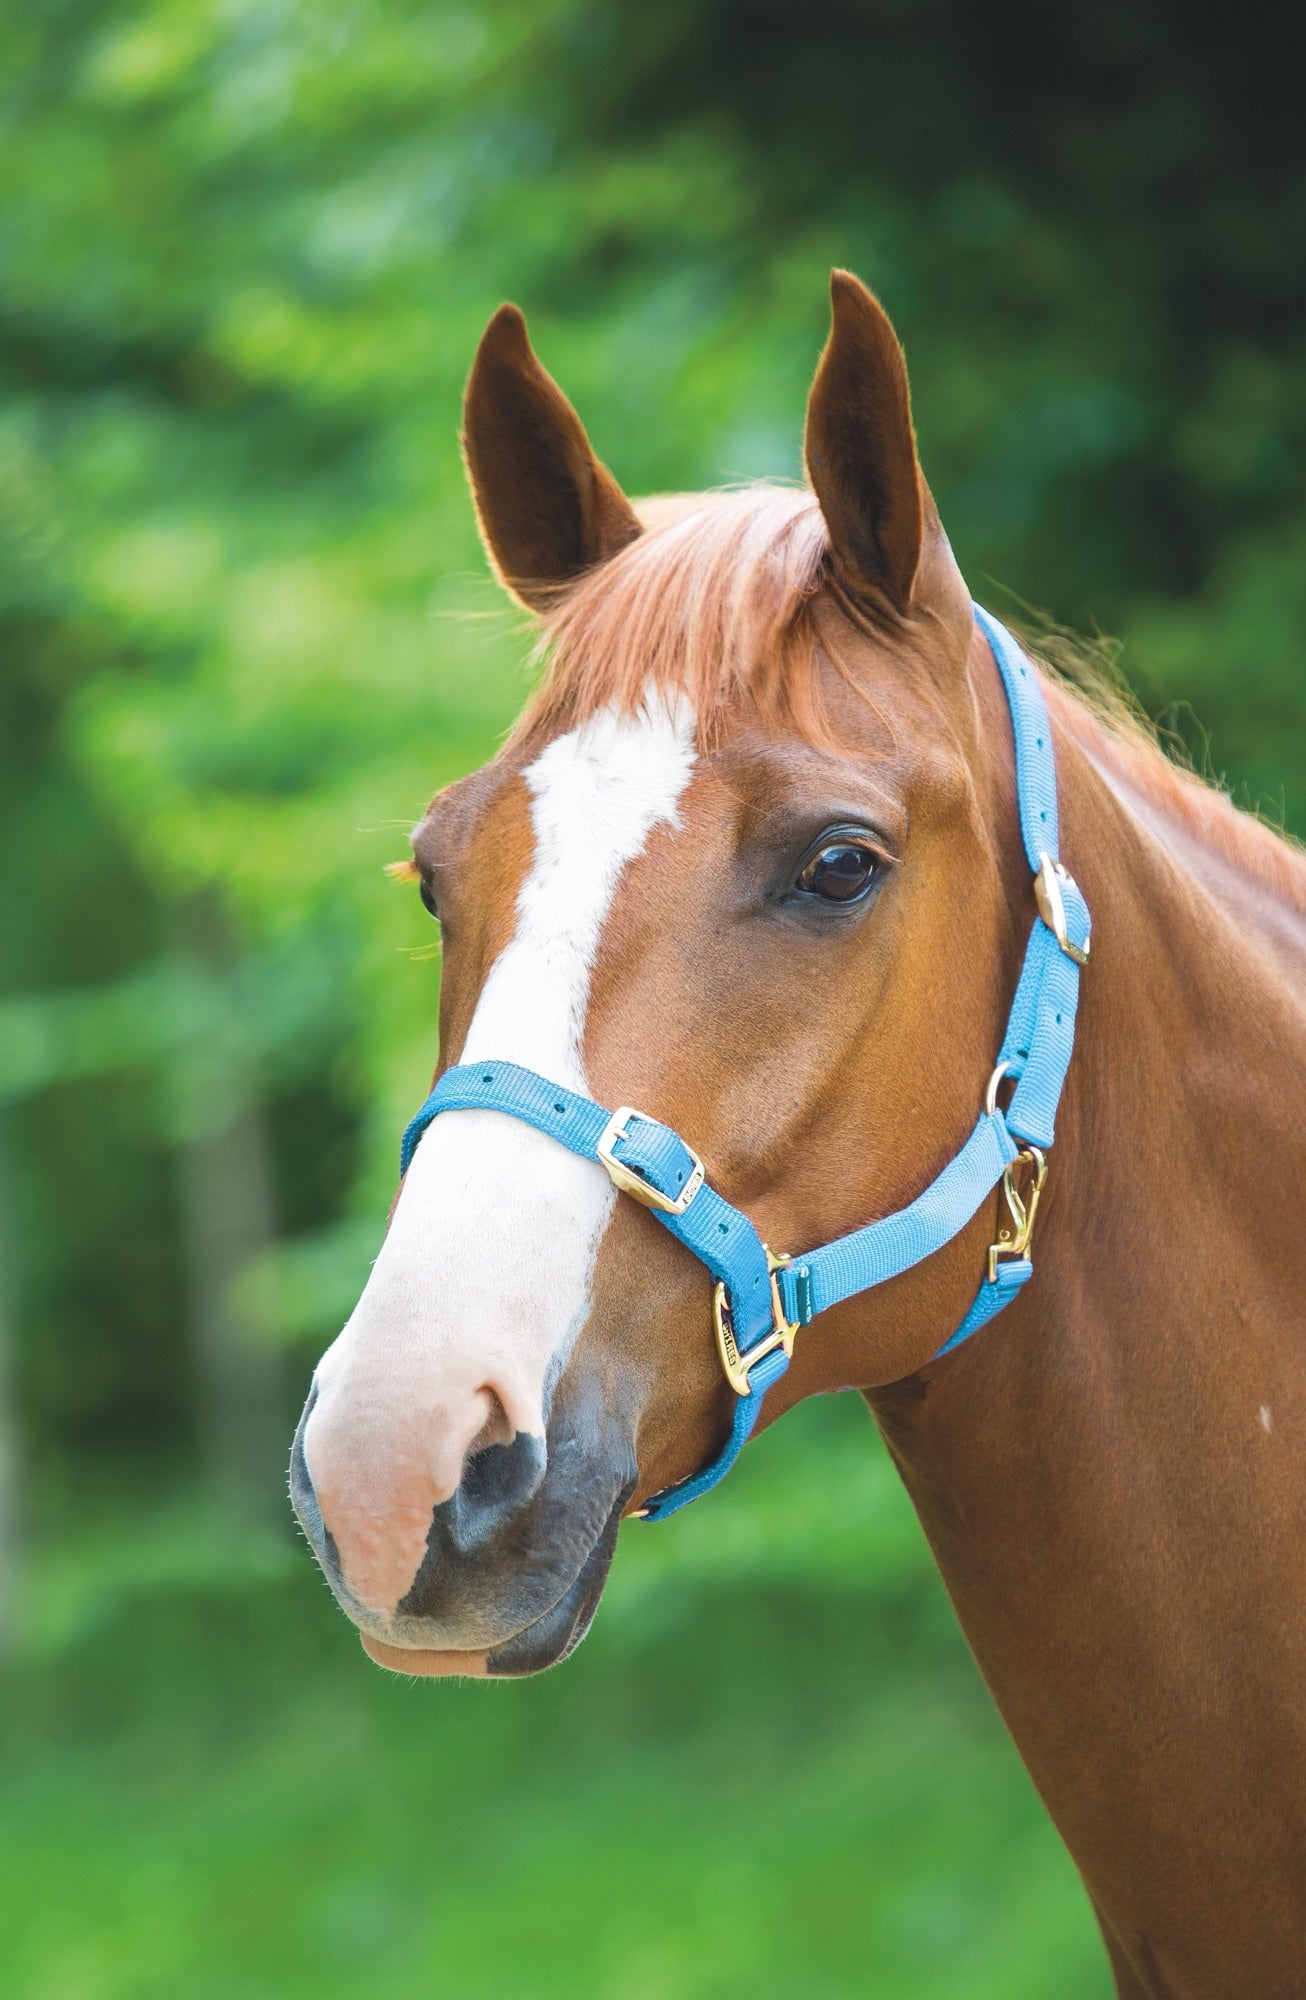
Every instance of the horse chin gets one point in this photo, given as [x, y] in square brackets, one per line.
[412, 1660]
[545, 1642]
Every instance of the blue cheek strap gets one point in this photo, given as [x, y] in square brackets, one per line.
[762, 1300]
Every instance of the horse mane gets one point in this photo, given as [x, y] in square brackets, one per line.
[1090, 697]
[722, 597]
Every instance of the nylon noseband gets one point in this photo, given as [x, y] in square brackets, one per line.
[761, 1300]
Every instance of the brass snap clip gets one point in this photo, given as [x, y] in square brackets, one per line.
[1015, 1238]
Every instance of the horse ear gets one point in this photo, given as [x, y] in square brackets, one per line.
[548, 510]
[861, 451]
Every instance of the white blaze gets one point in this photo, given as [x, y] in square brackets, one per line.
[482, 1283]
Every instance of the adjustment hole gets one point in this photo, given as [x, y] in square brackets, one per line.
[560, 1109]
[488, 1076]
[724, 1227]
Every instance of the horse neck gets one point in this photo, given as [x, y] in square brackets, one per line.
[1112, 1475]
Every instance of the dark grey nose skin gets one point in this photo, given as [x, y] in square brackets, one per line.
[525, 1541]
[484, 1522]
[303, 1498]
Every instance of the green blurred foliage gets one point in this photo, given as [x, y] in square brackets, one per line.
[245, 254]
[770, 1771]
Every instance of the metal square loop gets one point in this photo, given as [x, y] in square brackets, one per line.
[1052, 905]
[628, 1181]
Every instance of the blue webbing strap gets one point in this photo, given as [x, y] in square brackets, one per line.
[1035, 1052]
[992, 1295]
[763, 1375]
[1041, 1027]
[1036, 771]
[1041, 1030]
[884, 1249]
[719, 1235]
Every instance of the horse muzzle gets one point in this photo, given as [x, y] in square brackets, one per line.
[514, 1560]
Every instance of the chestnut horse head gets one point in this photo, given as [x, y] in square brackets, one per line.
[748, 862]
[752, 862]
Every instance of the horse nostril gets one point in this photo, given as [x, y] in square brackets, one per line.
[496, 1429]
[498, 1484]
[500, 1478]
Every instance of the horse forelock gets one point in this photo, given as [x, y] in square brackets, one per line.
[719, 598]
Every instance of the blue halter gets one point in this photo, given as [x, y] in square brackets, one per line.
[760, 1299]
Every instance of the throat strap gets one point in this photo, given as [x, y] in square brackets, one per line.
[761, 1301]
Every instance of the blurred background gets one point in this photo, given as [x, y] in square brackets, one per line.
[246, 249]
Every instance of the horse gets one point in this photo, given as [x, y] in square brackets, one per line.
[751, 860]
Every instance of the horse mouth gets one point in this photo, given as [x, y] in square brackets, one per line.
[545, 1642]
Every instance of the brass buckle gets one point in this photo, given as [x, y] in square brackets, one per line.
[1014, 1239]
[634, 1184]
[783, 1332]
[1052, 905]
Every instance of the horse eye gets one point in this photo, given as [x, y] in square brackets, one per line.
[428, 900]
[840, 873]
